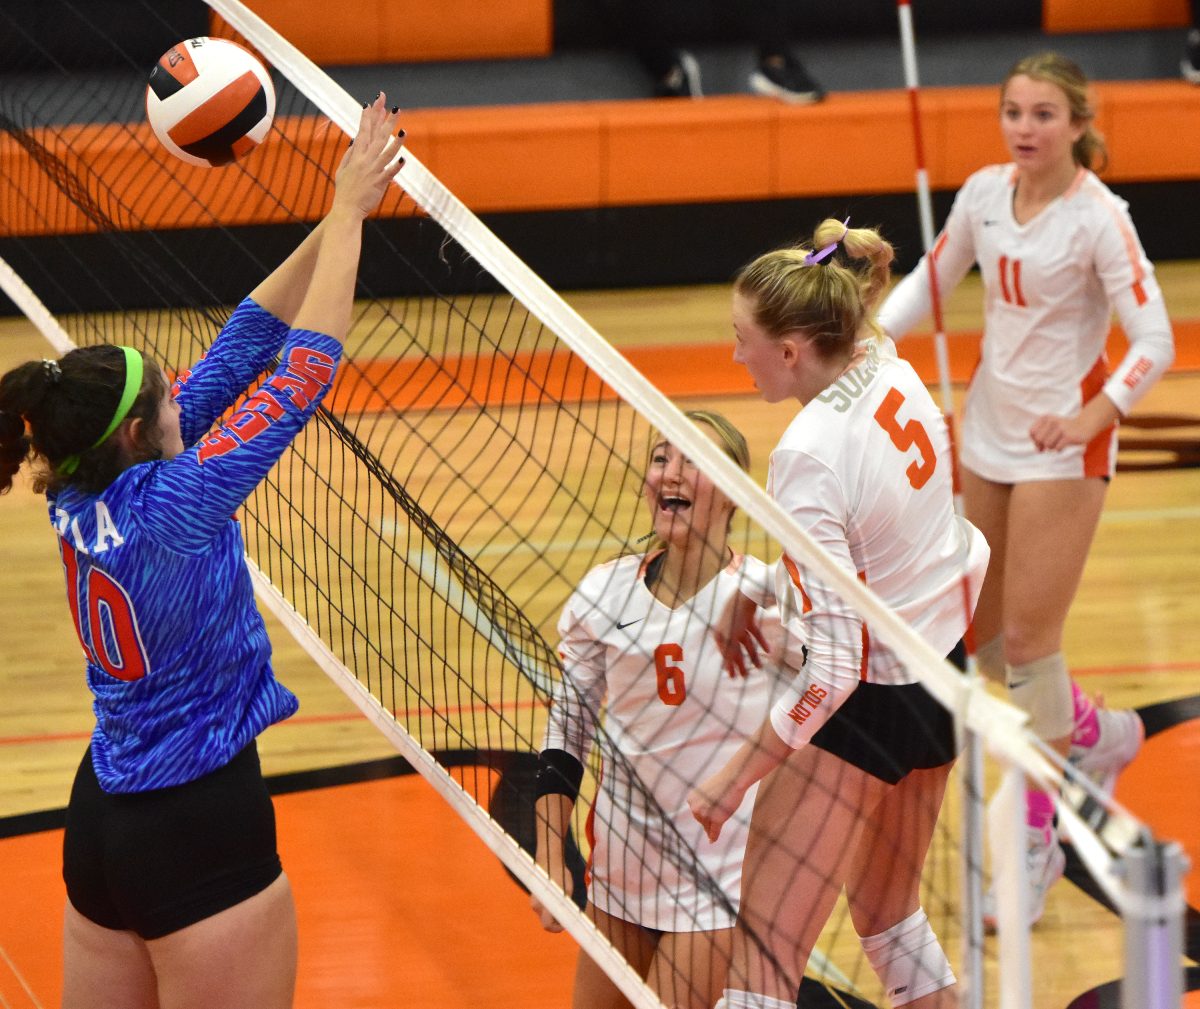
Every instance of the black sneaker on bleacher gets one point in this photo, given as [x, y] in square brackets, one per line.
[784, 77]
[682, 80]
[1190, 64]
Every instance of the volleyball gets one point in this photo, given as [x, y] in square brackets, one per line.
[209, 101]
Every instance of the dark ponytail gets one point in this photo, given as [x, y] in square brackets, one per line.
[52, 410]
[14, 447]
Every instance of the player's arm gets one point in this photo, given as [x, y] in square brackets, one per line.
[570, 729]
[953, 254]
[254, 335]
[717, 799]
[738, 634]
[363, 177]
[833, 639]
[1129, 282]
[194, 495]
[248, 343]
[191, 498]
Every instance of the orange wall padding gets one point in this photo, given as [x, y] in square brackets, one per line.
[583, 155]
[401, 31]
[1113, 15]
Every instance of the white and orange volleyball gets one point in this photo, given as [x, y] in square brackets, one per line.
[209, 101]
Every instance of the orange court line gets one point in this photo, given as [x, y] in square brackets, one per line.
[678, 370]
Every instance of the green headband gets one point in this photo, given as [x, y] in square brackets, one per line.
[133, 384]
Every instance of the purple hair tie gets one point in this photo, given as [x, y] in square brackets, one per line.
[814, 258]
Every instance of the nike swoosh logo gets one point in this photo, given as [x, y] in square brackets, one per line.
[988, 224]
[629, 623]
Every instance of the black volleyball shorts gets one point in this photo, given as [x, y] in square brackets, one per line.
[155, 862]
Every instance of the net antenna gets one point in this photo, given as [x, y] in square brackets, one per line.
[971, 784]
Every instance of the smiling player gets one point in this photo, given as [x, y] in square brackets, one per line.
[638, 633]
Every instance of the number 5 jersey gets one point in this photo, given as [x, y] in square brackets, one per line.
[865, 468]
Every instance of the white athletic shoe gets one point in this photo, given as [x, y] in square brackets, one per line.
[1106, 751]
[1046, 862]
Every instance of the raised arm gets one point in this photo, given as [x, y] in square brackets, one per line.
[193, 495]
[363, 177]
[254, 336]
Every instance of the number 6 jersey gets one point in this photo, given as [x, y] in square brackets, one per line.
[673, 718]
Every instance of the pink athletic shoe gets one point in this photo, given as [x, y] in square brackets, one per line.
[1105, 742]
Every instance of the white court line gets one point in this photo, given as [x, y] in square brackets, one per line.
[1150, 515]
[17, 974]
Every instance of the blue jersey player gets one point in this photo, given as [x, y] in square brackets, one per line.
[170, 857]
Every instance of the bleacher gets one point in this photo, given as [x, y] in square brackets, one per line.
[535, 113]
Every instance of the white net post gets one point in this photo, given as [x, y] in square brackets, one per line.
[1010, 877]
[1153, 916]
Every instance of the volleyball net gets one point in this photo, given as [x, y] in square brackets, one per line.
[479, 466]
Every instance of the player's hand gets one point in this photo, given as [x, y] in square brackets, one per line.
[1051, 433]
[714, 802]
[548, 921]
[739, 636]
[556, 868]
[371, 162]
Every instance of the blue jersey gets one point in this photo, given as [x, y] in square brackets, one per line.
[177, 655]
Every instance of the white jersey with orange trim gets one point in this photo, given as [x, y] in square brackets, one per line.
[673, 717]
[1050, 286]
[865, 468]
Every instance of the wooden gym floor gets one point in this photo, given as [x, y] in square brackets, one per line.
[399, 904]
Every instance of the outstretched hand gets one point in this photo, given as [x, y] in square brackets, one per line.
[371, 161]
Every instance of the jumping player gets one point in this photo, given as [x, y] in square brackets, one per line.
[637, 631]
[176, 895]
[1058, 253]
[859, 749]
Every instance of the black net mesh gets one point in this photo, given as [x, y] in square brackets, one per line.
[430, 524]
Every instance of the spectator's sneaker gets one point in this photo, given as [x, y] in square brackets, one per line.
[682, 80]
[1046, 862]
[1105, 743]
[1190, 64]
[785, 77]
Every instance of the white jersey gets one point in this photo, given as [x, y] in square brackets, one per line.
[673, 718]
[865, 469]
[1050, 285]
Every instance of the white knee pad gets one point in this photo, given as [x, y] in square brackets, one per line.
[908, 959]
[1043, 689]
[989, 659]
